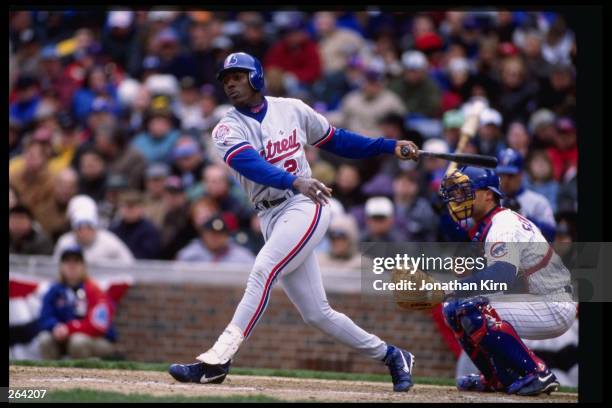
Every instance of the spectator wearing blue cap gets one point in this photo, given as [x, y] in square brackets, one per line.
[187, 162]
[530, 204]
[77, 315]
[97, 94]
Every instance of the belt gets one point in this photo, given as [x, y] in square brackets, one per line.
[265, 204]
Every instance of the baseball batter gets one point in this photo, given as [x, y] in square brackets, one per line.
[489, 328]
[262, 140]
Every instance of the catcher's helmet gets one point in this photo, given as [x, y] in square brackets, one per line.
[244, 62]
[510, 162]
[458, 189]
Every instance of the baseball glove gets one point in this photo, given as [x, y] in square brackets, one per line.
[415, 299]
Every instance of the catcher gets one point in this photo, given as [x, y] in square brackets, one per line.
[490, 330]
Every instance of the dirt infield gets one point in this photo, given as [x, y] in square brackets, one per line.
[289, 389]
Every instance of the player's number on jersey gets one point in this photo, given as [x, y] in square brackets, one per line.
[291, 166]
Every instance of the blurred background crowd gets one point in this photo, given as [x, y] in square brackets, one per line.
[110, 115]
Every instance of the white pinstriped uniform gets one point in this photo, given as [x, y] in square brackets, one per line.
[513, 238]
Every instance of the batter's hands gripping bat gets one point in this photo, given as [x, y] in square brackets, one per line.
[461, 158]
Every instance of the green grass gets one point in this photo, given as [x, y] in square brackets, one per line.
[80, 395]
[264, 372]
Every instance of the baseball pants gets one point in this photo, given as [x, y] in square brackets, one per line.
[292, 230]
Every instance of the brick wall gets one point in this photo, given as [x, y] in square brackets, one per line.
[164, 322]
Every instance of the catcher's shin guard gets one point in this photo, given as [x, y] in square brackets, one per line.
[492, 344]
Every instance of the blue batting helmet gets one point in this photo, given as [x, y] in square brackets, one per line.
[509, 162]
[244, 62]
[457, 189]
[482, 178]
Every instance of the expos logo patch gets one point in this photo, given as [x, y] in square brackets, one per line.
[231, 60]
[220, 133]
[499, 249]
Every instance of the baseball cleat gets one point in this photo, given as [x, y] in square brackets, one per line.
[400, 363]
[200, 372]
[536, 384]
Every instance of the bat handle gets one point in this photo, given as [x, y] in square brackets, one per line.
[405, 151]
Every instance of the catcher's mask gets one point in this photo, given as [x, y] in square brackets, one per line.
[458, 194]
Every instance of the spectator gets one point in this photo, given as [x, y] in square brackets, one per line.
[564, 153]
[97, 88]
[93, 173]
[158, 140]
[490, 137]
[542, 128]
[25, 235]
[558, 91]
[517, 97]
[119, 36]
[517, 138]
[187, 162]
[414, 216]
[537, 67]
[166, 45]
[26, 101]
[98, 245]
[109, 206]
[120, 157]
[452, 122]
[253, 39]
[540, 177]
[53, 78]
[134, 229]
[379, 221]
[218, 186]
[34, 182]
[343, 252]
[154, 192]
[434, 168]
[176, 230]
[415, 88]
[347, 185]
[187, 107]
[55, 222]
[336, 44]
[362, 109]
[215, 245]
[76, 316]
[530, 204]
[295, 53]
[13, 198]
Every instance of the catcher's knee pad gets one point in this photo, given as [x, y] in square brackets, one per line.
[493, 344]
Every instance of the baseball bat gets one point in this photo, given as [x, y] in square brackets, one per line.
[461, 158]
[475, 108]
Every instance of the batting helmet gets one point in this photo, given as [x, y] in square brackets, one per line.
[244, 62]
[482, 178]
[510, 162]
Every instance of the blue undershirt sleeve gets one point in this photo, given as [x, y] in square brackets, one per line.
[354, 146]
[251, 165]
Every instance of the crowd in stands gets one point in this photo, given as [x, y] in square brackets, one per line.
[110, 119]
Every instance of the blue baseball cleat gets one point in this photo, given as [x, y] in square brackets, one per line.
[400, 364]
[535, 384]
[199, 372]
